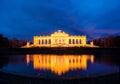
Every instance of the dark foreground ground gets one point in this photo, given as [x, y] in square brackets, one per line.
[60, 50]
[14, 79]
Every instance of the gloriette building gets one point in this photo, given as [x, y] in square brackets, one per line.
[59, 39]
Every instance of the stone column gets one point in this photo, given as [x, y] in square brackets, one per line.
[45, 41]
[78, 41]
[75, 41]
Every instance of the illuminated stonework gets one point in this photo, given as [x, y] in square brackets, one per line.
[59, 39]
[59, 64]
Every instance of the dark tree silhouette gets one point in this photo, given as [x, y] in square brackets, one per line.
[108, 42]
[14, 43]
[17, 43]
[4, 42]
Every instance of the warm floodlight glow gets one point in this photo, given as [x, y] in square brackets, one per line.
[59, 39]
[59, 64]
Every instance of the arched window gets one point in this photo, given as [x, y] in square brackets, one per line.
[42, 41]
[69, 41]
[80, 41]
[49, 41]
[73, 41]
[45, 41]
[76, 41]
[39, 42]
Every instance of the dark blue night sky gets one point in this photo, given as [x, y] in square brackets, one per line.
[23, 19]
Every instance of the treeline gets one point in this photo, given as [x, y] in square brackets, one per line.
[14, 43]
[108, 42]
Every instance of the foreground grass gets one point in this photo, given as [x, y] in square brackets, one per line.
[14, 79]
[60, 50]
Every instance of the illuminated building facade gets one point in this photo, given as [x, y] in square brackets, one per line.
[59, 64]
[59, 39]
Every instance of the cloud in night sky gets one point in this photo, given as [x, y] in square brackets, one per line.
[23, 19]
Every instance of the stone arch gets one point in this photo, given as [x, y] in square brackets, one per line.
[45, 41]
[69, 41]
[49, 41]
[39, 42]
[42, 41]
[73, 41]
[80, 41]
[76, 41]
